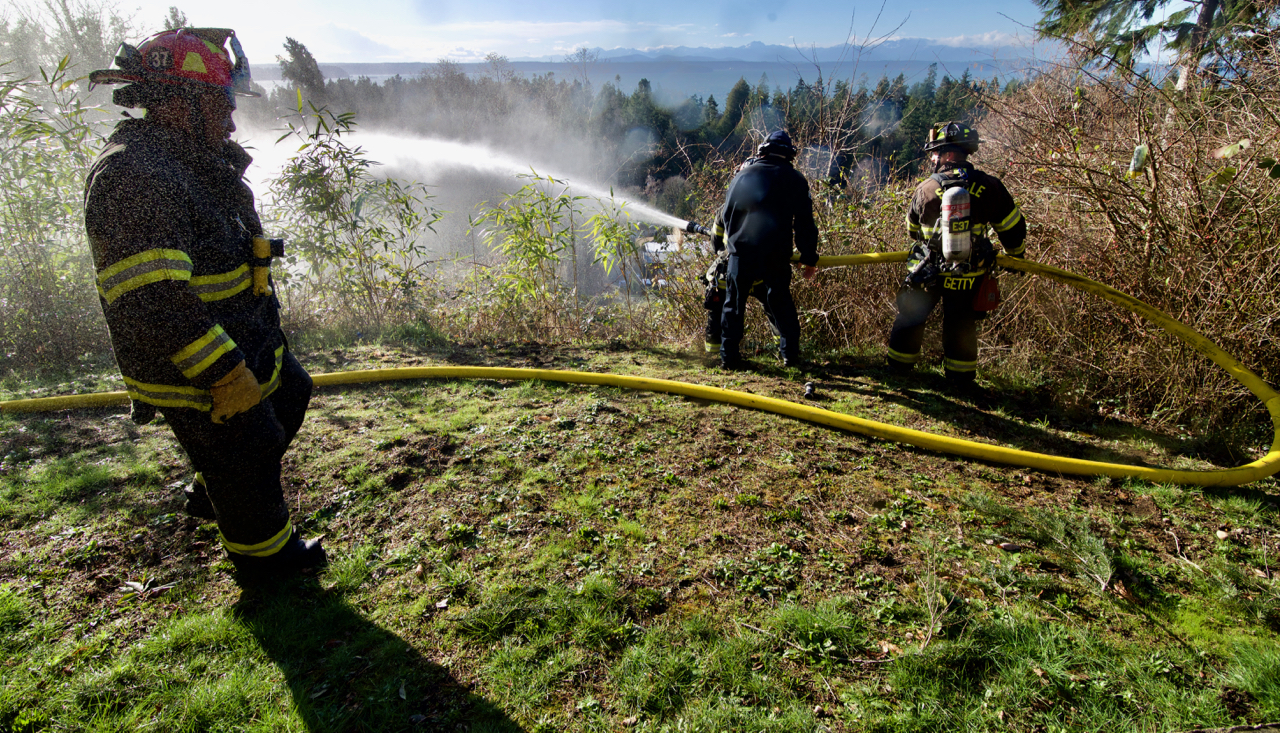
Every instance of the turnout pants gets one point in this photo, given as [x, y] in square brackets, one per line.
[715, 309]
[959, 327]
[240, 460]
[770, 283]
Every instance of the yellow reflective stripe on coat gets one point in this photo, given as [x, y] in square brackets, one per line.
[262, 549]
[1009, 221]
[956, 365]
[221, 286]
[144, 268]
[168, 395]
[195, 357]
[904, 358]
[274, 382]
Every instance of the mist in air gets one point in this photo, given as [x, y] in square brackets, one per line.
[462, 175]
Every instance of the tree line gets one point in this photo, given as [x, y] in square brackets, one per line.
[865, 132]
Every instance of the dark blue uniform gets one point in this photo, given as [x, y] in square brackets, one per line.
[767, 210]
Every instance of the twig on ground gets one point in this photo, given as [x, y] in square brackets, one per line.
[1178, 546]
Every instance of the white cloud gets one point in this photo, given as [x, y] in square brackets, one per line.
[520, 38]
[398, 30]
[337, 43]
[990, 38]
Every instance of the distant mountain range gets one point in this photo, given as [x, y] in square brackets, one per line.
[678, 72]
[903, 49]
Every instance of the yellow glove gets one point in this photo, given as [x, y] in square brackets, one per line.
[235, 393]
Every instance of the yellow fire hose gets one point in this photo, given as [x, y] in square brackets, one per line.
[1259, 469]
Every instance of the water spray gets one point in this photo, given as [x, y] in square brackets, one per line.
[430, 160]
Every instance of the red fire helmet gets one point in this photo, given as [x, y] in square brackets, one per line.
[185, 57]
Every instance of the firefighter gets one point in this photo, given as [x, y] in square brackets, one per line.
[766, 209]
[184, 282]
[959, 281]
[717, 286]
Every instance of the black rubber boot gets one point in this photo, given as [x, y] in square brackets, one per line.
[296, 555]
[794, 362]
[198, 504]
[899, 368]
[965, 385]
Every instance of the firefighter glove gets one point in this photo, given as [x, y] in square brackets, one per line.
[1012, 271]
[235, 393]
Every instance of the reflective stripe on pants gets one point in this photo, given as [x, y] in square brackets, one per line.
[240, 459]
[959, 324]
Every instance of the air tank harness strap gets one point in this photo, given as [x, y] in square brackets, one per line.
[923, 266]
[263, 250]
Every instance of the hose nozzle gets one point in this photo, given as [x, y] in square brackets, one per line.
[694, 227]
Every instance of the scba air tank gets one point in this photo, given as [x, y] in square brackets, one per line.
[956, 244]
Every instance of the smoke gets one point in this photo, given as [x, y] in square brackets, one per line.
[463, 176]
[469, 137]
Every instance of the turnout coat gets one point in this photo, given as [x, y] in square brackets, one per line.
[171, 227]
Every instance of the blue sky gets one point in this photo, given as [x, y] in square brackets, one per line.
[466, 30]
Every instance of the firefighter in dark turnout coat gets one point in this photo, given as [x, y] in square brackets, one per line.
[183, 277]
[717, 287]
[766, 209]
[929, 280]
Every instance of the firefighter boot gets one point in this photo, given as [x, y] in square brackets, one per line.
[198, 504]
[899, 368]
[296, 555]
[795, 362]
[965, 385]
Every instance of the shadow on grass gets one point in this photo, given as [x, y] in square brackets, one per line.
[1260, 492]
[977, 411]
[346, 673]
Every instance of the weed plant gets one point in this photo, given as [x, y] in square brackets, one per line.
[49, 315]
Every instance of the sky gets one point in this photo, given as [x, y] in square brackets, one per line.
[338, 31]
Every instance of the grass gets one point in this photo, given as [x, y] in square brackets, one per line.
[543, 557]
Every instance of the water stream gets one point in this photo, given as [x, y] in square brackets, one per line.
[427, 159]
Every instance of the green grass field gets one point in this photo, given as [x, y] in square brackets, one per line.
[544, 557]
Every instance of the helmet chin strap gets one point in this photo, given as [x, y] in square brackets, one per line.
[950, 157]
[190, 121]
[194, 118]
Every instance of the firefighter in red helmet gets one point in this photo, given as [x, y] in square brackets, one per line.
[183, 279]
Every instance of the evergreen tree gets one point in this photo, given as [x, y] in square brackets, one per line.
[689, 115]
[919, 115]
[760, 96]
[177, 19]
[712, 109]
[1121, 31]
[734, 105]
[300, 68]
